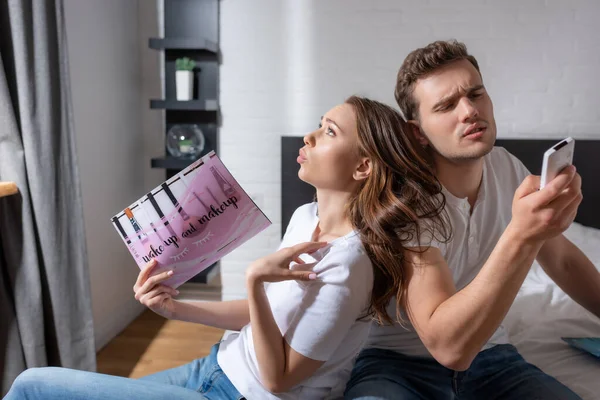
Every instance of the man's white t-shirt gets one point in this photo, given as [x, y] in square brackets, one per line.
[320, 319]
[474, 236]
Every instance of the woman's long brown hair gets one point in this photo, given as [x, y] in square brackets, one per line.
[399, 201]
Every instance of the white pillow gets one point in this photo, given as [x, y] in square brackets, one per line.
[584, 237]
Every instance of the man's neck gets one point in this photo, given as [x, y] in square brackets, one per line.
[333, 216]
[462, 179]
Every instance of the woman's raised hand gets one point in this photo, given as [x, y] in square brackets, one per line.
[276, 267]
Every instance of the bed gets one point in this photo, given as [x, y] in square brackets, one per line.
[542, 312]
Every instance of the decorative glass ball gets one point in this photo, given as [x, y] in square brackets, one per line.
[185, 141]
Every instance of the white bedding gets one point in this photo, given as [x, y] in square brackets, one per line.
[542, 313]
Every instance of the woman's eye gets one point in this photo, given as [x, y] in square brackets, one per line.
[320, 125]
[330, 132]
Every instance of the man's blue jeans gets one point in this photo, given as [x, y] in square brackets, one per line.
[496, 373]
[200, 379]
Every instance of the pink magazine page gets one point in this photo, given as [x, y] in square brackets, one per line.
[190, 221]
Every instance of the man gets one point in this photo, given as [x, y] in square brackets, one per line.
[452, 344]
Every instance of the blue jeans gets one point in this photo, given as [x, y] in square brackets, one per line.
[496, 373]
[200, 379]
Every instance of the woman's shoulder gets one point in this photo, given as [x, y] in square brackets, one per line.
[344, 259]
[299, 225]
[306, 209]
[304, 213]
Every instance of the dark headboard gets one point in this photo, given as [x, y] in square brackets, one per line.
[294, 192]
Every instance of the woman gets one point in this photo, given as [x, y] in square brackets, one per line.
[310, 303]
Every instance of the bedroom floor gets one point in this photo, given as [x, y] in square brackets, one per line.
[151, 344]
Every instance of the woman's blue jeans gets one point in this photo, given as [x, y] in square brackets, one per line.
[200, 379]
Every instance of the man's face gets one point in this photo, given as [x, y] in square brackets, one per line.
[455, 112]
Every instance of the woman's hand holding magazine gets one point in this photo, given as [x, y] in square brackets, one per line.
[150, 292]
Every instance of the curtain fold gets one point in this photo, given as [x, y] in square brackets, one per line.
[45, 297]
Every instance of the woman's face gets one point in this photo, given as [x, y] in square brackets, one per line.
[330, 156]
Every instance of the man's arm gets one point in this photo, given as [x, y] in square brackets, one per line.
[454, 326]
[572, 271]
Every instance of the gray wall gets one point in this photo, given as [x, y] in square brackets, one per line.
[113, 74]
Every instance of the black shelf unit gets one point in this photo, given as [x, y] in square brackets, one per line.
[194, 44]
[171, 162]
[191, 29]
[209, 105]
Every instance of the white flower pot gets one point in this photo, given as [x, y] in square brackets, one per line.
[184, 84]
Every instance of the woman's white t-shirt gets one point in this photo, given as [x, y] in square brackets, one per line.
[320, 319]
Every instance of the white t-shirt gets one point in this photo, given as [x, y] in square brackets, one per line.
[474, 237]
[319, 319]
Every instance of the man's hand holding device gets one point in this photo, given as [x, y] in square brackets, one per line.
[539, 215]
[556, 159]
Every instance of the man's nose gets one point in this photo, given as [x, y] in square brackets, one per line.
[468, 110]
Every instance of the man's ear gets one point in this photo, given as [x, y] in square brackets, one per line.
[363, 170]
[415, 130]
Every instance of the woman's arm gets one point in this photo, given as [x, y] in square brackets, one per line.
[233, 314]
[280, 366]
[159, 298]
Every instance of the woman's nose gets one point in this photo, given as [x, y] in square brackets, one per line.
[309, 139]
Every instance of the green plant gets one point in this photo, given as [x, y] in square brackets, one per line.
[185, 64]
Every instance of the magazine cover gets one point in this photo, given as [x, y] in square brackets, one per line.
[190, 221]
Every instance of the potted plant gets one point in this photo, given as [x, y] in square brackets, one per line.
[184, 78]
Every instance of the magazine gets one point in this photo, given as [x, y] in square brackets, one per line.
[190, 221]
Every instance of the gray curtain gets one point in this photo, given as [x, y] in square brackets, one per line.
[45, 304]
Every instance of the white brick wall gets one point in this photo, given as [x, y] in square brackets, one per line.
[286, 62]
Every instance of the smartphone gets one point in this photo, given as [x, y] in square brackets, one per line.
[556, 158]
